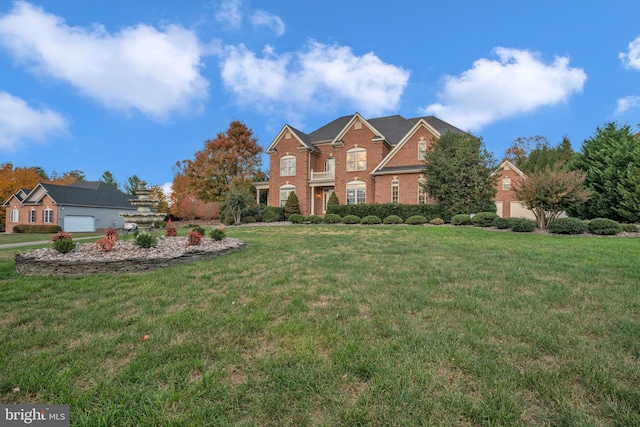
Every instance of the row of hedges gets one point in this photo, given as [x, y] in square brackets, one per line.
[258, 213]
[599, 226]
[384, 210]
[36, 228]
[366, 220]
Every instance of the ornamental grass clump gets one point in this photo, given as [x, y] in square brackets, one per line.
[62, 242]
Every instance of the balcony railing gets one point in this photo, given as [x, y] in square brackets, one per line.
[322, 176]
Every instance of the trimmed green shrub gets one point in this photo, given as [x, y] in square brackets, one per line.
[461, 219]
[62, 242]
[416, 220]
[146, 240]
[200, 230]
[292, 205]
[313, 219]
[333, 199]
[484, 219]
[522, 225]
[331, 219]
[393, 219]
[296, 218]
[604, 227]
[630, 228]
[270, 214]
[501, 223]
[217, 234]
[567, 226]
[248, 220]
[437, 221]
[37, 229]
[387, 209]
[351, 219]
[370, 219]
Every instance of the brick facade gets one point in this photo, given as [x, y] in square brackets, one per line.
[392, 160]
[26, 216]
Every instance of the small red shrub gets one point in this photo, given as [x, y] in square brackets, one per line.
[111, 234]
[171, 231]
[106, 244]
[60, 235]
[193, 238]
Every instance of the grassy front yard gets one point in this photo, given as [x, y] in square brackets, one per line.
[339, 325]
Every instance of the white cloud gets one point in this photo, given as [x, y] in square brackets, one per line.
[318, 77]
[273, 22]
[627, 103]
[230, 13]
[19, 122]
[517, 82]
[153, 71]
[631, 59]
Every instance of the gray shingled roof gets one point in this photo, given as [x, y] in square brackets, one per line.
[89, 193]
[393, 128]
[329, 131]
[399, 169]
[439, 125]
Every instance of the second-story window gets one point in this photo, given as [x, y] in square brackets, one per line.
[506, 183]
[356, 159]
[288, 166]
[422, 150]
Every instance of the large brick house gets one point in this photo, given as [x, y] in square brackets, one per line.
[363, 161]
[507, 204]
[83, 206]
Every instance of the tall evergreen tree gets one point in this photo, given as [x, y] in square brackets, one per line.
[458, 171]
[611, 158]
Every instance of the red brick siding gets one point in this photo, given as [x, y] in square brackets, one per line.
[408, 153]
[507, 196]
[290, 147]
[47, 203]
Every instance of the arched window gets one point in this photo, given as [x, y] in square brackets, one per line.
[285, 190]
[288, 166]
[15, 215]
[356, 159]
[356, 193]
[395, 191]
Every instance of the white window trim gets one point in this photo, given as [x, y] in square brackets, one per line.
[422, 150]
[357, 187]
[288, 188]
[33, 216]
[289, 162]
[395, 184]
[506, 183]
[422, 192]
[15, 215]
[47, 216]
[356, 152]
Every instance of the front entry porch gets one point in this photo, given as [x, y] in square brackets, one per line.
[319, 199]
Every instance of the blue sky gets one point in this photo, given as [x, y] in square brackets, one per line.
[135, 86]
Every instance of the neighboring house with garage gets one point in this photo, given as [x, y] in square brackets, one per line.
[80, 207]
[507, 204]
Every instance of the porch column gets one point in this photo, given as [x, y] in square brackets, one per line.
[313, 201]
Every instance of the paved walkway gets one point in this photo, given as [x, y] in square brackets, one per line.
[41, 242]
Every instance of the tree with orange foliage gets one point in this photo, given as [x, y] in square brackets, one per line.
[231, 158]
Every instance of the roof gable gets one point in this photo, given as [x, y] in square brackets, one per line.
[302, 138]
[85, 193]
[419, 123]
[510, 165]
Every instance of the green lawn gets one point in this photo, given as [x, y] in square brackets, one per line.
[339, 325]
[7, 238]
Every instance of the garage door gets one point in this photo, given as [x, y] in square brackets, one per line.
[517, 211]
[499, 208]
[78, 223]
